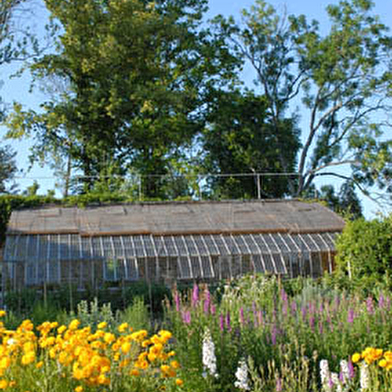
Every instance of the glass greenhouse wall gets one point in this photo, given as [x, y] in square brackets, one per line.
[57, 259]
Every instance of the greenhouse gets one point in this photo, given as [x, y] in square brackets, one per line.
[168, 242]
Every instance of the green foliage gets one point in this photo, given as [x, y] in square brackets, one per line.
[241, 137]
[8, 168]
[341, 79]
[136, 315]
[136, 73]
[364, 254]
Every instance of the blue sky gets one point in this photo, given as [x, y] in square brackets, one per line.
[17, 89]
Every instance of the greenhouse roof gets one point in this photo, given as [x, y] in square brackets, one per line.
[179, 218]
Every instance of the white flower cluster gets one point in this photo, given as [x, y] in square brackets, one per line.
[325, 375]
[242, 376]
[209, 358]
[329, 380]
[364, 376]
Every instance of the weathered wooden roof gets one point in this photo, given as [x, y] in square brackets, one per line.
[179, 218]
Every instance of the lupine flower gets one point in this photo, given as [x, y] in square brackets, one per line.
[273, 335]
[241, 376]
[369, 305]
[186, 317]
[195, 295]
[279, 386]
[344, 371]
[324, 374]
[228, 325]
[381, 301]
[293, 307]
[351, 370]
[221, 322]
[177, 301]
[350, 316]
[209, 358]
[364, 376]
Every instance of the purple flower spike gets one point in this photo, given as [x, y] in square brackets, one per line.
[273, 335]
[186, 317]
[242, 320]
[381, 302]
[195, 295]
[213, 309]
[221, 322]
[279, 386]
[228, 324]
[311, 323]
[369, 305]
[177, 301]
[351, 371]
[321, 329]
[350, 316]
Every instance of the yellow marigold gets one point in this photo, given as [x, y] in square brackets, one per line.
[175, 364]
[2, 313]
[383, 363]
[171, 354]
[5, 362]
[356, 357]
[152, 357]
[134, 372]
[103, 380]
[61, 329]
[126, 347]
[102, 325]
[39, 365]
[74, 324]
[179, 382]
[109, 338]
[28, 358]
[123, 327]
[3, 384]
[79, 389]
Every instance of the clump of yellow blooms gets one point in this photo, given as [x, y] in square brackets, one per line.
[371, 355]
[87, 358]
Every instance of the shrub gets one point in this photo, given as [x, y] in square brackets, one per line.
[364, 254]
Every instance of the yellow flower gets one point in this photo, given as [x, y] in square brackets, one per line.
[134, 372]
[179, 382]
[125, 347]
[123, 327]
[39, 365]
[109, 338]
[2, 313]
[356, 357]
[383, 363]
[74, 324]
[61, 329]
[28, 358]
[102, 325]
[79, 389]
[3, 384]
[175, 364]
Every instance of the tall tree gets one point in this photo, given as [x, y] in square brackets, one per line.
[341, 80]
[243, 137]
[15, 44]
[137, 72]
